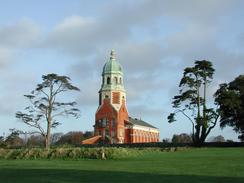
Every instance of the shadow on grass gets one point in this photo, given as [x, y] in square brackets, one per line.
[75, 176]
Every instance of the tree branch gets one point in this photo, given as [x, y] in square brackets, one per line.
[214, 124]
[44, 93]
[58, 90]
[179, 110]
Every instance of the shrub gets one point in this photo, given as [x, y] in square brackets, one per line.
[182, 138]
[71, 153]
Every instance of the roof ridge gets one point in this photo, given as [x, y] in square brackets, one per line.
[140, 122]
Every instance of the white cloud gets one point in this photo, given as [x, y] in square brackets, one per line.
[75, 22]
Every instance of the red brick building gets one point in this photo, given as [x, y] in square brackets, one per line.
[112, 121]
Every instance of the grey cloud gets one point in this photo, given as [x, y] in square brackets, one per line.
[194, 44]
[6, 55]
[14, 84]
[86, 36]
[143, 111]
[72, 35]
[89, 92]
[89, 97]
[138, 57]
[141, 13]
[82, 36]
[15, 38]
[22, 34]
[91, 39]
[83, 69]
[89, 85]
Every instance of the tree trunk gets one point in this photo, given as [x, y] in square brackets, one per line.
[198, 106]
[198, 142]
[204, 132]
[46, 142]
[198, 120]
[49, 124]
[200, 135]
[199, 138]
[49, 117]
[48, 136]
[205, 122]
[197, 130]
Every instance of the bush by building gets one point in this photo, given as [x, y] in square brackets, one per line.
[182, 138]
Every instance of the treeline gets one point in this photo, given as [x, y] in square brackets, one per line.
[74, 138]
[17, 140]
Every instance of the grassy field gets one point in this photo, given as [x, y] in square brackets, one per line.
[192, 165]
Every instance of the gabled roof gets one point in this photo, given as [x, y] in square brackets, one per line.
[136, 121]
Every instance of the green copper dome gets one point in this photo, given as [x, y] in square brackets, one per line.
[112, 66]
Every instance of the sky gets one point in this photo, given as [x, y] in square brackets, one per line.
[154, 41]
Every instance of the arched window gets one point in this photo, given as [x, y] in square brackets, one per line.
[108, 80]
[120, 80]
[115, 80]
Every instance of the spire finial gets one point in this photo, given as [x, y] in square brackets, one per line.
[112, 54]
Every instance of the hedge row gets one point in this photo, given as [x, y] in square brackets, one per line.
[166, 145]
[68, 153]
[80, 153]
[141, 145]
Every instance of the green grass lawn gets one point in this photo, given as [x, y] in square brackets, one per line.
[193, 165]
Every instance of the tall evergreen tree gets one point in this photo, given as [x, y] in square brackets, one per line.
[193, 97]
[45, 107]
